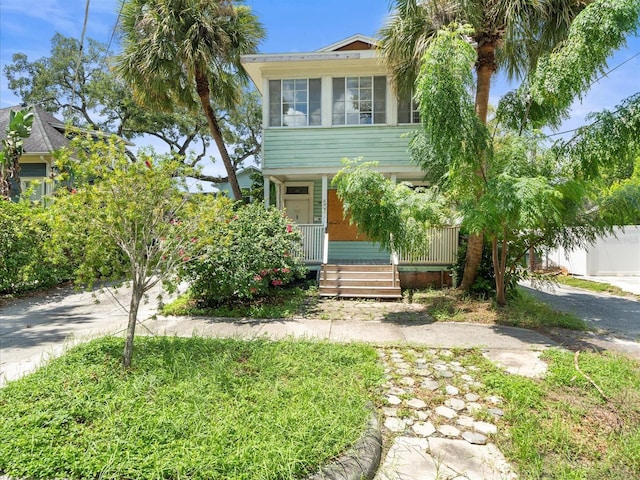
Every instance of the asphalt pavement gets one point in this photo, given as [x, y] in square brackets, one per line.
[615, 315]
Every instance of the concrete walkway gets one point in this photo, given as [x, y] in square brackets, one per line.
[34, 329]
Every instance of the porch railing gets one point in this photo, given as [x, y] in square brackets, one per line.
[441, 248]
[311, 248]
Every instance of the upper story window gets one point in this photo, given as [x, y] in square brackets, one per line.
[359, 100]
[294, 102]
[408, 109]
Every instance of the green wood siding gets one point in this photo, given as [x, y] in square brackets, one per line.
[326, 147]
[357, 251]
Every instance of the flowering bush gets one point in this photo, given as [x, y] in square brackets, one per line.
[253, 260]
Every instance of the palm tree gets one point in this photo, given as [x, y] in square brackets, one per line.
[187, 52]
[507, 34]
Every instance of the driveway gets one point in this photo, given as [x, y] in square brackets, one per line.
[618, 316]
[37, 327]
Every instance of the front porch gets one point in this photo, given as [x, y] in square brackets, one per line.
[328, 238]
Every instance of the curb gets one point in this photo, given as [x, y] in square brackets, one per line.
[361, 461]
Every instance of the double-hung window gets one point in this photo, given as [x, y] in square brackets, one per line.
[408, 109]
[359, 100]
[294, 102]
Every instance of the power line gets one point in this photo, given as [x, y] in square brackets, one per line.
[115, 25]
[84, 31]
[590, 85]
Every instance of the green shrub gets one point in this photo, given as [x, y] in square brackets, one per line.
[25, 261]
[253, 259]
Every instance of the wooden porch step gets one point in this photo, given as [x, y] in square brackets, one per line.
[360, 281]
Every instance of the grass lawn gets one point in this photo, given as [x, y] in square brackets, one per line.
[593, 286]
[562, 427]
[190, 408]
[285, 305]
[522, 311]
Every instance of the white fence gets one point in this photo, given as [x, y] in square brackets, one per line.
[617, 254]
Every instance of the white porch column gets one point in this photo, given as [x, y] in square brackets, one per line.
[267, 192]
[325, 241]
[395, 259]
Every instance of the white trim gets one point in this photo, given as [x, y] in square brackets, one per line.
[267, 192]
[326, 102]
[358, 37]
[40, 192]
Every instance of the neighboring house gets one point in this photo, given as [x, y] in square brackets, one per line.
[319, 108]
[36, 163]
[617, 254]
[244, 180]
[48, 134]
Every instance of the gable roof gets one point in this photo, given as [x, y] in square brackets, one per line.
[354, 42]
[356, 48]
[47, 132]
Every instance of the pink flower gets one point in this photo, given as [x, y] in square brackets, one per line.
[253, 290]
[277, 282]
[185, 259]
[289, 228]
[257, 278]
[264, 272]
[285, 270]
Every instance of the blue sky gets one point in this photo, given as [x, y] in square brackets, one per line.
[291, 25]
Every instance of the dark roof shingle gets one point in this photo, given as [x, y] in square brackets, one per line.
[46, 133]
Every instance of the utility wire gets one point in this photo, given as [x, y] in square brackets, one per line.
[84, 31]
[113, 33]
[590, 85]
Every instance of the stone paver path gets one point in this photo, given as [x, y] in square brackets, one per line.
[440, 419]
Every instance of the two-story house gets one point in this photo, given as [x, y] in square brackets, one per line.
[319, 108]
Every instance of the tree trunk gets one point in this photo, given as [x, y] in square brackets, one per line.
[472, 260]
[136, 296]
[202, 86]
[498, 272]
[485, 67]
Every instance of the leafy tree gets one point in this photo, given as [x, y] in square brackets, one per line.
[394, 215]
[18, 128]
[507, 35]
[135, 219]
[97, 99]
[187, 53]
[501, 177]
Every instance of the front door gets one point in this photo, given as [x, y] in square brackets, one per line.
[298, 210]
[298, 202]
[340, 228]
